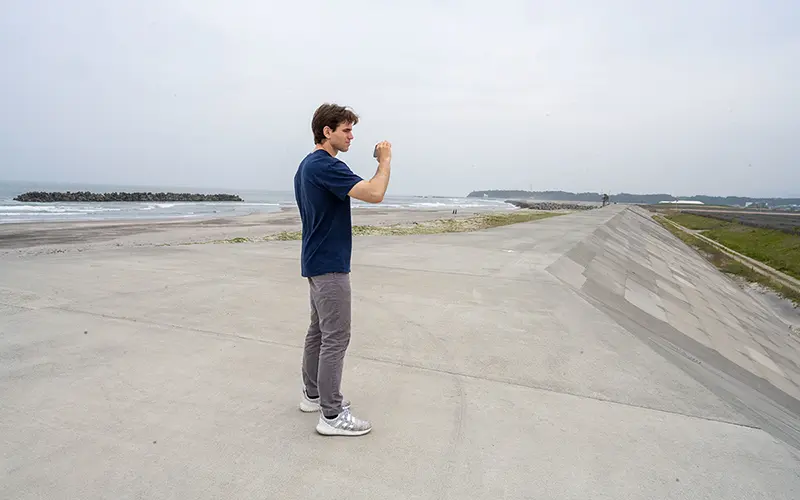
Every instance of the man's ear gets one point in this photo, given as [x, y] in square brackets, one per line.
[327, 132]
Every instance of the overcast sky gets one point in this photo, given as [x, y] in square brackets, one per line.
[685, 97]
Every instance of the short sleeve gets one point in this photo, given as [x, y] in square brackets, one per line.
[338, 178]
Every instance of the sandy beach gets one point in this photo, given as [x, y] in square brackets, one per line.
[25, 239]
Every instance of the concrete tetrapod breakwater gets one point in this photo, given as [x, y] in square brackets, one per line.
[86, 196]
[590, 355]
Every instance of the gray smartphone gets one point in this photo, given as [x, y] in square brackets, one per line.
[375, 152]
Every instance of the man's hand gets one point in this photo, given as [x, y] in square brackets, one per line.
[383, 151]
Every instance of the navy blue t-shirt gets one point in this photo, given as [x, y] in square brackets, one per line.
[321, 185]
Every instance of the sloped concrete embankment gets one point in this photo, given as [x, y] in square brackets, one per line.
[663, 292]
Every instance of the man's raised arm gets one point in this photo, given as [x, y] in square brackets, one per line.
[372, 191]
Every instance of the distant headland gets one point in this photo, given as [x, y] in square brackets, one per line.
[632, 198]
[86, 196]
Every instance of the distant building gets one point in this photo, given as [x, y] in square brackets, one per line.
[683, 202]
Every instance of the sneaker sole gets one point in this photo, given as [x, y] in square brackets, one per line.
[308, 407]
[327, 430]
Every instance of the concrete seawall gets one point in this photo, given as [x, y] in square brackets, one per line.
[679, 304]
[590, 355]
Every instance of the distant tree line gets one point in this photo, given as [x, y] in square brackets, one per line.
[86, 196]
[632, 198]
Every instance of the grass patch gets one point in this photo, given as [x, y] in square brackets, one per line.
[439, 226]
[748, 273]
[436, 226]
[697, 222]
[777, 249]
[727, 264]
[709, 251]
[504, 219]
[284, 236]
[774, 248]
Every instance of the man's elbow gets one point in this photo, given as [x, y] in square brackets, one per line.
[367, 192]
[373, 195]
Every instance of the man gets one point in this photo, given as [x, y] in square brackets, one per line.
[323, 187]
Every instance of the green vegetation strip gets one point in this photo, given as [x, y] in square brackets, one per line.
[723, 261]
[697, 222]
[774, 248]
[436, 226]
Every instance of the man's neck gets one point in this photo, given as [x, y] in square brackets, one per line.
[327, 147]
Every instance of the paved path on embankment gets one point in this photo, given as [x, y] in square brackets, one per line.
[584, 356]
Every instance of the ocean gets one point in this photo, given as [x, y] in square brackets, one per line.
[255, 201]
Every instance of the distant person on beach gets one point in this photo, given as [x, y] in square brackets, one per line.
[323, 186]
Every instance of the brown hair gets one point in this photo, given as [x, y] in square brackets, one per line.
[330, 115]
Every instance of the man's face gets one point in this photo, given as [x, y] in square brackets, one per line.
[341, 137]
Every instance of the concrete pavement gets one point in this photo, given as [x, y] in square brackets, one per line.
[590, 355]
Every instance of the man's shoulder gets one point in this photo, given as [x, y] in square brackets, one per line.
[324, 165]
[315, 164]
[319, 158]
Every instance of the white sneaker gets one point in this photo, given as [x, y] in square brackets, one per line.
[343, 425]
[309, 405]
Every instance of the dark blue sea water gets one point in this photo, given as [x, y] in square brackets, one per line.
[255, 201]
